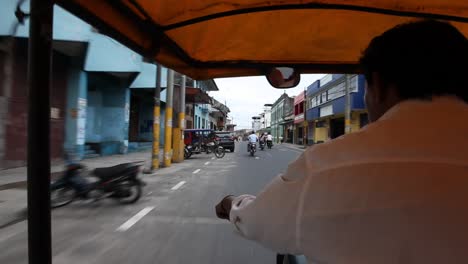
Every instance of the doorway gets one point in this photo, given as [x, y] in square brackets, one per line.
[337, 127]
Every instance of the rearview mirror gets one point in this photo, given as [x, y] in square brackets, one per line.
[283, 77]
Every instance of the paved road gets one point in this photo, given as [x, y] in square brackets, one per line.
[173, 223]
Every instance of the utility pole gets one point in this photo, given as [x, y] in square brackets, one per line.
[182, 103]
[168, 120]
[38, 168]
[306, 124]
[156, 119]
[347, 106]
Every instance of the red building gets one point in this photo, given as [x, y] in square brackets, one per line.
[299, 119]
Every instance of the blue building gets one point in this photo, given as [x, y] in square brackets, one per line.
[101, 92]
[326, 106]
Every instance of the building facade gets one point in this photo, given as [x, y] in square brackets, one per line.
[102, 92]
[326, 101]
[300, 124]
[288, 119]
[282, 117]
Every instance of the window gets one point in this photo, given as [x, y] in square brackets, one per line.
[323, 98]
[337, 91]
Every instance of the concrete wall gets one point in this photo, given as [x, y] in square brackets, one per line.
[107, 55]
[75, 116]
[15, 126]
[107, 115]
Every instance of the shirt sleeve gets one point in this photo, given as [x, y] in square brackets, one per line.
[273, 217]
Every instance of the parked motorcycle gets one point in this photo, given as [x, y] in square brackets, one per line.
[252, 148]
[119, 182]
[210, 147]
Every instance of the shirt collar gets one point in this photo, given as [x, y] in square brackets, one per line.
[411, 107]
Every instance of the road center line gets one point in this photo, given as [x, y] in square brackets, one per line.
[177, 186]
[196, 171]
[213, 158]
[206, 163]
[130, 222]
[257, 158]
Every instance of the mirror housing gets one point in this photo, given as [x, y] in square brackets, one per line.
[283, 77]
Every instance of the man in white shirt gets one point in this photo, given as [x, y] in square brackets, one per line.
[269, 137]
[252, 139]
[397, 190]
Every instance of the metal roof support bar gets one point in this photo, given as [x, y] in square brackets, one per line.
[40, 62]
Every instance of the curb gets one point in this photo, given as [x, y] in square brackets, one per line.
[23, 184]
[298, 147]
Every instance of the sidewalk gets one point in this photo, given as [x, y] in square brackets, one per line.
[13, 177]
[13, 195]
[293, 146]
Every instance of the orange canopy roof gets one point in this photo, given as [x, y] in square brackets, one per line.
[207, 39]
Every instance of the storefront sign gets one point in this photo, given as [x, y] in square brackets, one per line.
[81, 121]
[127, 112]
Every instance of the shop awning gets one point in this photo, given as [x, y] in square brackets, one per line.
[211, 38]
[196, 96]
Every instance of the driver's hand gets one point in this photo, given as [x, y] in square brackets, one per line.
[223, 208]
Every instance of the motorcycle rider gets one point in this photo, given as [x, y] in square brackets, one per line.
[269, 139]
[252, 139]
[263, 139]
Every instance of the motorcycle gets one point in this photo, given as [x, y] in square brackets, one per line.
[209, 147]
[269, 144]
[262, 145]
[252, 148]
[119, 182]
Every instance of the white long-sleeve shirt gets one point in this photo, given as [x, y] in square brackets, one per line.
[253, 138]
[394, 192]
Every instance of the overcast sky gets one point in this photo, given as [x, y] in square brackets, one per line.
[245, 96]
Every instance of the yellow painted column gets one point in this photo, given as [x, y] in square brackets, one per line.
[156, 120]
[168, 121]
[347, 126]
[168, 137]
[156, 130]
[178, 139]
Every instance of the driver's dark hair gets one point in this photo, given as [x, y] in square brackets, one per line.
[421, 59]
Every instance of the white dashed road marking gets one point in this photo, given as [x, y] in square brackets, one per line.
[130, 222]
[206, 163]
[257, 158]
[213, 158]
[196, 171]
[177, 186]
